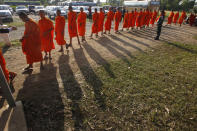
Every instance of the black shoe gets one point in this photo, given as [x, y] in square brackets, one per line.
[67, 46]
[156, 38]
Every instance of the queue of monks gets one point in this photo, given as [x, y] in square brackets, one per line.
[39, 36]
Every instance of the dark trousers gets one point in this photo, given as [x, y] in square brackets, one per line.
[158, 31]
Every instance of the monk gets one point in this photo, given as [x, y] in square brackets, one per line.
[81, 24]
[109, 20]
[139, 18]
[153, 19]
[101, 21]
[143, 18]
[117, 18]
[192, 19]
[134, 19]
[8, 75]
[72, 25]
[130, 24]
[176, 16]
[170, 17]
[183, 16]
[46, 34]
[59, 30]
[95, 20]
[31, 42]
[126, 21]
[149, 18]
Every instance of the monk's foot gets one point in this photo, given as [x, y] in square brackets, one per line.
[50, 57]
[104, 33]
[67, 45]
[97, 36]
[28, 68]
[45, 57]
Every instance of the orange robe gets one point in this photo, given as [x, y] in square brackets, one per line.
[59, 30]
[81, 23]
[109, 20]
[101, 20]
[143, 18]
[117, 18]
[170, 18]
[154, 16]
[148, 16]
[139, 18]
[131, 15]
[176, 16]
[3, 66]
[46, 24]
[31, 44]
[72, 24]
[95, 19]
[126, 21]
[134, 19]
[183, 15]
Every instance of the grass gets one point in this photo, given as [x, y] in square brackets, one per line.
[195, 37]
[17, 23]
[153, 91]
[157, 91]
[14, 43]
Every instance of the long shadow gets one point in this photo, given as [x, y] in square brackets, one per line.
[90, 76]
[180, 47]
[98, 59]
[137, 41]
[72, 89]
[112, 49]
[125, 43]
[41, 97]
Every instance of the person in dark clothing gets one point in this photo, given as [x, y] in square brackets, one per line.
[159, 25]
[123, 12]
[90, 13]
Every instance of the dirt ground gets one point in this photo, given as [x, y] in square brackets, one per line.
[49, 95]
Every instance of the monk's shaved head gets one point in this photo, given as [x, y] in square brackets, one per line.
[70, 8]
[42, 13]
[23, 16]
[81, 9]
[58, 12]
[101, 9]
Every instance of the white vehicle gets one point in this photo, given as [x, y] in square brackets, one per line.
[95, 7]
[21, 9]
[49, 8]
[52, 12]
[38, 8]
[5, 14]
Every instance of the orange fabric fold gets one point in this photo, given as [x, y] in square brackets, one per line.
[81, 23]
[59, 30]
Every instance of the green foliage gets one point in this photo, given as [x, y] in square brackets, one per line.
[175, 4]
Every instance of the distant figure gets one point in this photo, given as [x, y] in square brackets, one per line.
[176, 16]
[192, 19]
[90, 13]
[131, 17]
[95, 23]
[60, 29]
[183, 16]
[81, 24]
[72, 26]
[4, 33]
[126, 21]
[46, 33]
[159, 25]
[170, 18]
[117, 18]
[139, 19]
[108, 22]
[101, 20]
[123, 12]
[154, 17]
[31, 42]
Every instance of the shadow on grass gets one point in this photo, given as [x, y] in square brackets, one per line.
[41, 97]
[113, 47]
[98, 59]
[72, 89]
[90, 76]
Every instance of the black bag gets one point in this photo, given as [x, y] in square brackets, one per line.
[4, 30]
